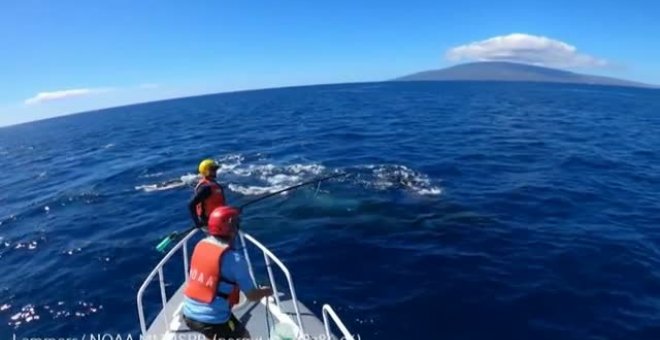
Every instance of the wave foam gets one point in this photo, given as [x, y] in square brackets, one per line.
[229, 163]
[387, 176]
[189, 179]
[272, 177]
[261, 177]
[254, 190]
[185, 180]
[161, 186]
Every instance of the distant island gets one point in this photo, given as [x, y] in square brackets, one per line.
[509, 71]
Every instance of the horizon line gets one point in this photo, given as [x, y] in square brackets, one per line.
[396, 80]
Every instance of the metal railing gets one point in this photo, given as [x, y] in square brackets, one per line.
[328, 311]
[183, 246]
[158, 270]
[268, 256]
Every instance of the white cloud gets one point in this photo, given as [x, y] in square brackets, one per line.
[525, 48]
[42, 97]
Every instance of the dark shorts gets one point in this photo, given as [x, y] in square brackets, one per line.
[232, 329]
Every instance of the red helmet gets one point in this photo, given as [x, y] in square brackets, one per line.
[223, 221]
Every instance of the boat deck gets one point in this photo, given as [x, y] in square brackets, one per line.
[259, 317]
[168, 324]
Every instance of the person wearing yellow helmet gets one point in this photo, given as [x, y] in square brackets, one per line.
[209, 194]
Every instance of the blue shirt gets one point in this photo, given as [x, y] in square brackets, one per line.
[233, 268]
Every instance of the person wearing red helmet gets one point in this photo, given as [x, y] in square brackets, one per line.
[217, 273]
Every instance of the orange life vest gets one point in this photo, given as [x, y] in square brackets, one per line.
[204, 275]
[217, 199]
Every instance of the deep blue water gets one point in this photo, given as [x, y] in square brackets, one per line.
[472, 210]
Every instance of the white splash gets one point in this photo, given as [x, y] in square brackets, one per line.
[281, 179]
[160, 186]
[273, 177]
[315, 169]
[399, 176]
[254, 190]
[185, 180]
[258, 177]
[229, 163]
[189, 179]
[240, 177]
[431, 192]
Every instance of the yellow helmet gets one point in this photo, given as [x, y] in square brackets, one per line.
[208, 167]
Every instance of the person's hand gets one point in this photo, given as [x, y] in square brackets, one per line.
[259, 293]
[266, 291]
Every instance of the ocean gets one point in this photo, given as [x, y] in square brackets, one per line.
[470, 210]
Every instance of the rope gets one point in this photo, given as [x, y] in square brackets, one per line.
[267, 314]
[318, 187]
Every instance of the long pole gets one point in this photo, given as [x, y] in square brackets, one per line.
[175, 236]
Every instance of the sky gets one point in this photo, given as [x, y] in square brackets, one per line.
[62, 56]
